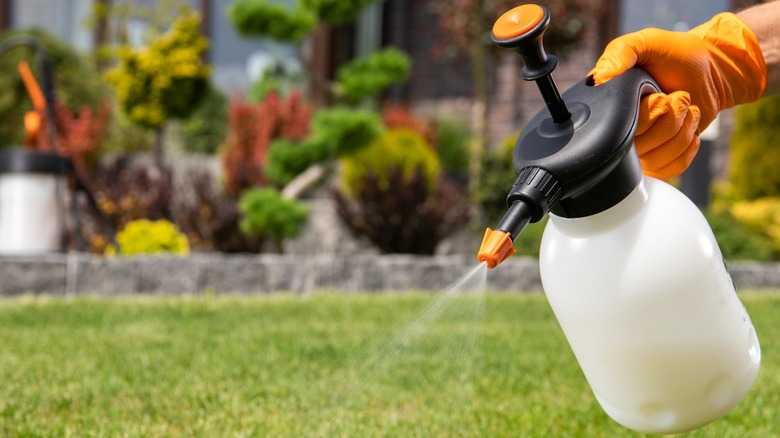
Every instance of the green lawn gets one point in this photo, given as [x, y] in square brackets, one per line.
[321, 365]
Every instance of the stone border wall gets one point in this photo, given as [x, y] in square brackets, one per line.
[82, 274]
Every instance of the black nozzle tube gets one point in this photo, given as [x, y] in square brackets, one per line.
[515, 219]
[553, 100]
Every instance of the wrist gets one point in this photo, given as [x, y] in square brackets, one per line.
[762, 20]
[737, 58]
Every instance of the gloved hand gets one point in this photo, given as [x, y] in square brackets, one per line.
[710, 68]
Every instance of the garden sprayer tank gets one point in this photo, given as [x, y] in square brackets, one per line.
[629, 265]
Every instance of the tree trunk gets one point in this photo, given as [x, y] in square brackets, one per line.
[159, 142]
[307, 179]
[278, 245]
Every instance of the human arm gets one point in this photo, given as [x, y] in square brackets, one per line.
[763, 20]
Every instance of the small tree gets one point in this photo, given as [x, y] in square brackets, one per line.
[164, 81]
[267, 214]
[357, 80]
[296, 164]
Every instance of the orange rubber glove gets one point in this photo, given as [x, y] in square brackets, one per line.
[710, 68]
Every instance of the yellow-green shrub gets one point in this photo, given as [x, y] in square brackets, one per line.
[755, 150]
[167, 79]
[762, 216]
[150, 237]
[401, 149]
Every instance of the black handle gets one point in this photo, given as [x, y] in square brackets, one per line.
[522, 29]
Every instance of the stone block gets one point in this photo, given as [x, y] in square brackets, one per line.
[754, 274]
[96, 275]
[171, 274]
[39, 274]
[518, 274]
[236, 274]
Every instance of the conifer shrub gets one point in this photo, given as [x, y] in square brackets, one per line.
[369, 75]
[167, 79]
[264, 18]
[401, 150]
[403, 214]
[335, 132]
[392, 194]
[267, 214]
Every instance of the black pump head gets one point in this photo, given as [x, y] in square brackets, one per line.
[580, 164]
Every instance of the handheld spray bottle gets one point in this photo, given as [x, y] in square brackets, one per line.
[629, 265]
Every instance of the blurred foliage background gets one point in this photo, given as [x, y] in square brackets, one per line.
[401, 181]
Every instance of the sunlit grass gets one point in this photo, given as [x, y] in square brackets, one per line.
[318, 365]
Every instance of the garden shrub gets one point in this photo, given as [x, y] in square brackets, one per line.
[209, 218]
[150, 237]
[392, 194]
[397, 150]
[760, 216]
[369, 75]
[267, 214]
[403, 213]
[755, 150]
[337, 11]
[452, 141]
[267, 18]
[125, 137]
[124, 192]
[127, 191]
[205, 130]
[77, 83]
[345, 130]
[165, 80]
[287, 159]
[252, 129]
[495, 181]
[335, 132]
[399, 116]
[737, 241]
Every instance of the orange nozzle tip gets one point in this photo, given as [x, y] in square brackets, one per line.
[496, 247]
[518, 21]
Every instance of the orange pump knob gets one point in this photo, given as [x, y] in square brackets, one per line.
[518, 21]
[496, 247]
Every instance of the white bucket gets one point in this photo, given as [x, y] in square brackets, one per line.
[32, 186]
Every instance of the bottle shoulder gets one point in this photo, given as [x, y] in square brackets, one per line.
[652, 201]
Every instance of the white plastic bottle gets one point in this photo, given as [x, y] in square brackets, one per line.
[644, 299]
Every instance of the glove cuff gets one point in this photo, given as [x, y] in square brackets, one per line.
[737, 57]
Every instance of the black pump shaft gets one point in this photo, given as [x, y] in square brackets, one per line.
[521, 29]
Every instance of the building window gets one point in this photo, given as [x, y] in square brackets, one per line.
[668, 14]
